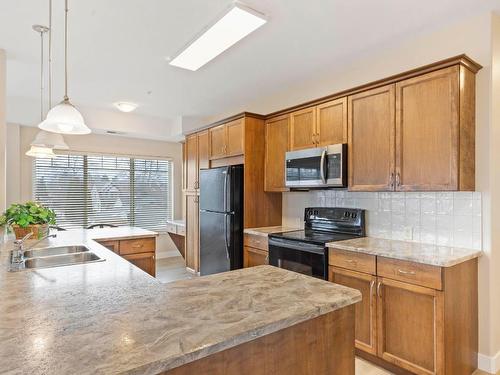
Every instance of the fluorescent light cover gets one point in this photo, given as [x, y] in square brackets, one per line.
[231, 28]
[125, 106]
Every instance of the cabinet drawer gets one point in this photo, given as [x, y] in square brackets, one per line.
[140, 245]
[353, 261]
[258, 242]
[410, 272]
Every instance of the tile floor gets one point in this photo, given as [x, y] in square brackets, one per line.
[173, 268]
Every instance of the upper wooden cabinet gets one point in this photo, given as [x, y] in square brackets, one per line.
[428, 133]
[276, 147]
[331, 122]
[371, 139]
[227, 139]
[203, 147]
[191, 156]
[414, 135]
[318, 126]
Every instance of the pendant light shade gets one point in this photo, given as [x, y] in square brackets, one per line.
[50, 140]
[64, 118]
[41, 152]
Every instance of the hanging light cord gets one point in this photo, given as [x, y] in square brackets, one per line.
[41, 75]
[66, 51]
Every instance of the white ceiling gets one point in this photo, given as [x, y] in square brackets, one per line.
[118, 50]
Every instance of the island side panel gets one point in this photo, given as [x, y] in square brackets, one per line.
[320, 346]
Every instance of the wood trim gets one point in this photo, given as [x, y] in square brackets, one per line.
[462, 60]
[381, 363]
[227, 119]
[230, 160]
[467, 155]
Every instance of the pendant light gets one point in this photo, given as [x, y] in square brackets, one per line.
[64, 118]
[38, 148]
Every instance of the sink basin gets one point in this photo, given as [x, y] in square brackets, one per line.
[60, 250]
[62, 260]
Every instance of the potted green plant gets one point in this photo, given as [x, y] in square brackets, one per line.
[28, 217]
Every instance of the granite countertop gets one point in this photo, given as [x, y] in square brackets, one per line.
[435, 255]
[178, 222]
[265, 231]
[111, 317]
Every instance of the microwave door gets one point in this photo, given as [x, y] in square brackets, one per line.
[336, 165]
[303, 168]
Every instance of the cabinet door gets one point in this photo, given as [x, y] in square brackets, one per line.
[254, 257]
[192, 232]
[371, 127]
[145, 261]
[217, 141]
[276, 147]
[235, 137]
[410, 326]
[366, 310]
[302, 129]
[203, 157]
[192, 162]
[331, 125]
[427, 131]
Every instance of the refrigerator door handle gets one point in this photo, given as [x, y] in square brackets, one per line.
[225, 236]
[225, 190]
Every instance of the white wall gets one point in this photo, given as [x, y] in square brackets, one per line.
[20, 165]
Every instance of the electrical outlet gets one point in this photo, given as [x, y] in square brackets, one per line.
[408, 233]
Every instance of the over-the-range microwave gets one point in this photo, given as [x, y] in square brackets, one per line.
[320, 167]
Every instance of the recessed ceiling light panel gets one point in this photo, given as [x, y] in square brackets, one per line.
[125, 106]
[236, 24]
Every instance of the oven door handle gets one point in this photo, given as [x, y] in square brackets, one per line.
[322, 169]
[293, 245]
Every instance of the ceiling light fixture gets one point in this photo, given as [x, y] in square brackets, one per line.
[64, 118]
[125, 106]
[41, 152]
[238, 22]
[50, 140]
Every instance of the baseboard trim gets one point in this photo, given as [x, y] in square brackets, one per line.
[489, 364]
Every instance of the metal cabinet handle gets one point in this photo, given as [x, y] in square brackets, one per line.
[372, 284]
[391, 182]
[403, 272]
[398, 179]
[379, 292]
[352, 261]
[138, 245]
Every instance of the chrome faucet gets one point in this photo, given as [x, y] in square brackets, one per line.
[17, 254]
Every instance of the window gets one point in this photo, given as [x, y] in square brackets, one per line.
[87, 189]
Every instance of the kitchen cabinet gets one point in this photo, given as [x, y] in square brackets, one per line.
[428, 131]
[203, 150]
[145, 261]
[417, 134]
[418, 317]
[192, 232]
[254, 257]
[226, 140]
[303, 129]
[371, 127]
[276, 147]
[366, 312]
[410, 326]
[138, 251]
[191, 159]
[320, 125]
[331, 126]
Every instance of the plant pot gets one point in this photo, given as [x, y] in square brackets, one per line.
[38, 230]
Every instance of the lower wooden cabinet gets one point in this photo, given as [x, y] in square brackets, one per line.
[254, 257]
[145, 261]
[366, 311]
[410, 326]
[138, 251]
[421, 318]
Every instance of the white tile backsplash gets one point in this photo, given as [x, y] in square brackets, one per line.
[443, 218]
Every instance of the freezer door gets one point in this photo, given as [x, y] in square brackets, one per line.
[215, 239]
[214, 189]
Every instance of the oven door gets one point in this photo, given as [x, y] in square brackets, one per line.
[302, 257]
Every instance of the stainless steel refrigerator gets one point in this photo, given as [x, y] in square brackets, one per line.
[221, 219]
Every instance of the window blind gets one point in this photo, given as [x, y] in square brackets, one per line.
[94, 189]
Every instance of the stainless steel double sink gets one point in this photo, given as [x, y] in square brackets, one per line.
[59, 256]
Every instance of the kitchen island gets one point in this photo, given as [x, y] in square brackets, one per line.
[111, 317]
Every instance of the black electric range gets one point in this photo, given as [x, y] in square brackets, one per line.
[305, 251]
